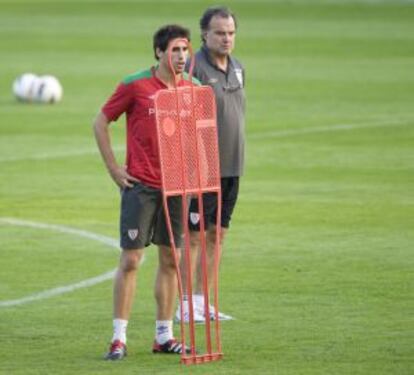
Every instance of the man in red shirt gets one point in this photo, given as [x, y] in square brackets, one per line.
[142, 217]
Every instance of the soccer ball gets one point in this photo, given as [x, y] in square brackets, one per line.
[48, 90]
[32, 88]
[24, 87]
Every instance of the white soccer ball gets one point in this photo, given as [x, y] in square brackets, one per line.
[24, 86]
[48, 89]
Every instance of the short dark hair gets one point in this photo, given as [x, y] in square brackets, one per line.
[220, 11]
[167, 33]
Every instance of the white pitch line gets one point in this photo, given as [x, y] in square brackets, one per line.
[329, 128]
[59, 290]
[67, 288]
[60, 228]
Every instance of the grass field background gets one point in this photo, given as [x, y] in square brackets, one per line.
[318, 265]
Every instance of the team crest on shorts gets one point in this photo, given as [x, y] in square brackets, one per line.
[132, 233]
[194, 217]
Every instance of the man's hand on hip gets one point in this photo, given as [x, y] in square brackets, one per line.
[122, 178]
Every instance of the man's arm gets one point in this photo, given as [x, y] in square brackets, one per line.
[103, 139]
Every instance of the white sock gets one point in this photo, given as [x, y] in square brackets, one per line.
[163, 331]
[120, 327]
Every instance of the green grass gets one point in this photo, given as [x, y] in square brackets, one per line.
[318, 265]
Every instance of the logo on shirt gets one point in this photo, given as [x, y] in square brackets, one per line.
[212, 80]
[171, 113]
[239, 75]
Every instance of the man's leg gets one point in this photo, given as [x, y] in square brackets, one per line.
[193, 261]
[166, 283]
[194, 254]
[210, 256]
[125, 282]
[165, 291]
[193, 225]
[230, 188]
[210, 252]
[123, 296]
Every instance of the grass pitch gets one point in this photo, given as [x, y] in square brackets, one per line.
[318, 265]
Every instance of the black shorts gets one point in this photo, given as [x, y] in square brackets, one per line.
[229, 194]
[143, 221]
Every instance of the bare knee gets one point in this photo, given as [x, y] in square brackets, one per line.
[130, 260]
